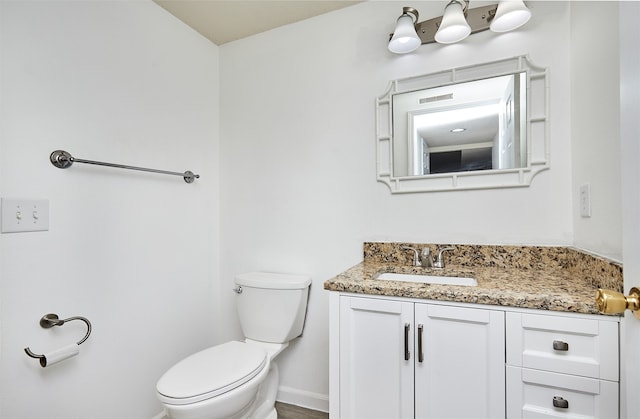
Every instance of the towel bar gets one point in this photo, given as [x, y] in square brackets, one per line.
[62, 159]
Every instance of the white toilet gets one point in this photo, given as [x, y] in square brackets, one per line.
[240, 379]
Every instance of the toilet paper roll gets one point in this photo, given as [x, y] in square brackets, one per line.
[58, 355]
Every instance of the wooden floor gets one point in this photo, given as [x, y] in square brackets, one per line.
[289, 411]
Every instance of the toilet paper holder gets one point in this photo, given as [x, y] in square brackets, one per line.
[48, 321]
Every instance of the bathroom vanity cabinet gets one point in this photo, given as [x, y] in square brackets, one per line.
[404, 359]
[410, 358]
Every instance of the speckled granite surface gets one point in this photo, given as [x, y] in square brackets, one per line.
[546, 278]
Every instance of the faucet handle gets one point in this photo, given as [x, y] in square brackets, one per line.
[439, 263]
[416, 256]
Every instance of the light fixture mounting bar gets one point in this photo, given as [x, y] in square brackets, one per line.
[478, 19]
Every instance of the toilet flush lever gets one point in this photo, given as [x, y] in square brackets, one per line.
[238, 289]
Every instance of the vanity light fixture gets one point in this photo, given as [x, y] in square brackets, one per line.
[457, 22]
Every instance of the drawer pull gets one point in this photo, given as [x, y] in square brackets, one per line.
[560, 402]
[407, 354]
[420, 354]
[559, 345]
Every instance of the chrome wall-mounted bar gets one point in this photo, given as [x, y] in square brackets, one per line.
[62, 159]
[48, 321]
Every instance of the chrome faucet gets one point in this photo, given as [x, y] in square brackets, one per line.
[422, 258]
[439, 262]
[425, 258]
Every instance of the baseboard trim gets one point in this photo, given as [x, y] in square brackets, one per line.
[161, 415]
[306, 399]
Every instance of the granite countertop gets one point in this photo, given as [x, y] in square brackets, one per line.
[544, 278]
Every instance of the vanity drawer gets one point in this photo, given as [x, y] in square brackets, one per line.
[536, 394]
[580, 346]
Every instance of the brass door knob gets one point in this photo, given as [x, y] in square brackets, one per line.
[613, 302]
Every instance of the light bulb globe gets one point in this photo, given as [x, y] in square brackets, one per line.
[454, 26]
[511, 14]
[405, 38]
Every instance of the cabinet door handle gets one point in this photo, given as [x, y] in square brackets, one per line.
[420, 354]
[559, 345]
[407, 354]
[560, 402]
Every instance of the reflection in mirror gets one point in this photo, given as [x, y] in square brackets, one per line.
[462, 127]
[476, 127]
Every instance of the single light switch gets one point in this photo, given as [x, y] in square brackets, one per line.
[20, 215]
[585, 200]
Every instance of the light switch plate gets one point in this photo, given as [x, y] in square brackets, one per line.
[585, 200]
[20, 215]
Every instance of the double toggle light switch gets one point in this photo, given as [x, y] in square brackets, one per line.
[613, 302]
[19, 215]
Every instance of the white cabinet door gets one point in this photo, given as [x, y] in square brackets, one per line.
[461, 373]
[376, 373]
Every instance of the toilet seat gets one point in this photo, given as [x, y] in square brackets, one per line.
[211, 372]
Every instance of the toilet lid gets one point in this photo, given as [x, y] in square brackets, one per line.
[211, 372]
[272, 280]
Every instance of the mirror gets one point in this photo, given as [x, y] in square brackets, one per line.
[469, 126]
[477, 127]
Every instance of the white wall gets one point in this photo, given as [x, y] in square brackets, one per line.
[135, 253]
[298, 187]
[595, 125]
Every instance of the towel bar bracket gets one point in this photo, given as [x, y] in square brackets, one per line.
[61, 159]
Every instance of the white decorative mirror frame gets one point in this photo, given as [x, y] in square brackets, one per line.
[537, 130]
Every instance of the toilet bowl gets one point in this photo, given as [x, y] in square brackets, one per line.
[239, 380]
[218, 382]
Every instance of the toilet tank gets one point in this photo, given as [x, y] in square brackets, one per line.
[272, 306]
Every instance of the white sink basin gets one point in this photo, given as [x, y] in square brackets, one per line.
[429, 279]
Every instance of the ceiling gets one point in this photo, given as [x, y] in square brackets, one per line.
[223, 21]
